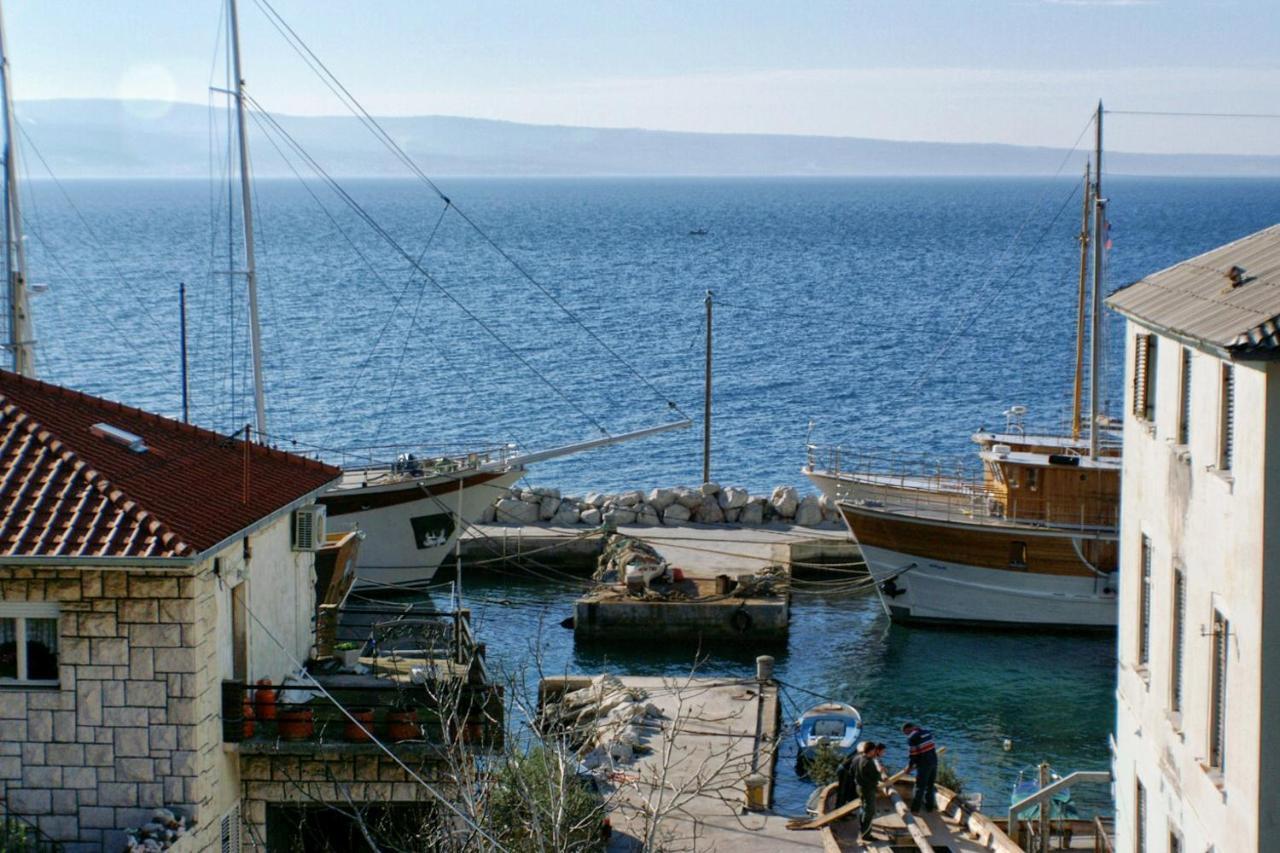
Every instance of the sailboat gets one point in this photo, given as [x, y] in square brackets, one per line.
[1031, 539]
[411, 510]
[21, 343]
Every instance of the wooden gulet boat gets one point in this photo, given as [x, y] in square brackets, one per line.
[1029, 541]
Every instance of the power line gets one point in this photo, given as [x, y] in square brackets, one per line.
[1188, 114]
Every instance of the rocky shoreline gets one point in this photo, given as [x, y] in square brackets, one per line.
[707, 504]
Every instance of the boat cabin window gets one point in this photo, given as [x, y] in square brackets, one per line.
[1017, 555]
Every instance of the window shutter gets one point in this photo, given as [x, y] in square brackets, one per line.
[1179, 633]
[1218, 709]
[1184, 400]
[1142, 344]
[1228, 416]
[230, 830]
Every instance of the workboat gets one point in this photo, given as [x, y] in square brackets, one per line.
[1025, 538]
[953, 827]
[833, 724]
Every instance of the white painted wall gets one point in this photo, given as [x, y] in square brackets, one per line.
[1214, 524]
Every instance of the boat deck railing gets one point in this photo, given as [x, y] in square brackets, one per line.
[900, 467]
[959, 494]
[399, 460]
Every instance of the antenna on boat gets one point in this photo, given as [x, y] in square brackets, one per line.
[21, 342]
[1099, 241]
[1077, 392]
[246, 207]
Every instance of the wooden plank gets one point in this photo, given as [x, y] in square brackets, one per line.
[909, 820]
[849, 807]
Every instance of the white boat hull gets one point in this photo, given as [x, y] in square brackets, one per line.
[411, 527]
[931, 590]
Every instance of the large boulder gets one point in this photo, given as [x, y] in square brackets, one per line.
[734, 498]
[660, 499]
[548, 506]
[784, 501]
[688, 498]
[546, 492]
[591, 517]
[809, 513]
[619, 515]
[630, 499]
[708, 489]
[709, 512]
[731, 515]
[675, 514]
[594, 499]
[752, 514]
[647, 515]
[508, 511]
[566, 514]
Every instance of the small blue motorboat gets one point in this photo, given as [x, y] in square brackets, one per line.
[832, 723]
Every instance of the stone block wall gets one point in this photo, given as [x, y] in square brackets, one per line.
[134, 724]
[323, 778]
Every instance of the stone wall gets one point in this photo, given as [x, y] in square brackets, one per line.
[707, 504]
[123, 733]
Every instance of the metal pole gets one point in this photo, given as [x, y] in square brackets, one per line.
[1095, 326]
[1078, 389]
[706, 417]
[246, 206]
[182, 346]
[21, 344]
[1043, 829]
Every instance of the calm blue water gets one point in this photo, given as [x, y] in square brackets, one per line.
[892, 314]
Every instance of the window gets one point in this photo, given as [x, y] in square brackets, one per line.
[1175, 841]
[1144, 605]
[1140, 817]
[1017, 555]
[1218, 693]
[1227, 419]
[1184, 399]
[1144, 370]
[1179, 629]
[29, 643]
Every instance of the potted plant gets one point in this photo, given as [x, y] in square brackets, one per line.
[349, 653]
[295, 722]
[402, 720]
[353, 732]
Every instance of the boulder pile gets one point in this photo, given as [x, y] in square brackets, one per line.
[706, 504]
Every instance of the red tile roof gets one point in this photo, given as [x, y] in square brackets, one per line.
[68, 492]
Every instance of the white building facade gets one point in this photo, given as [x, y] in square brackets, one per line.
[1195, 762]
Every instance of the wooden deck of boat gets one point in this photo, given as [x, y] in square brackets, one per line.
[890, 835]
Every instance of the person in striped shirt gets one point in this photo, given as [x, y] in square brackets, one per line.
[924, 760]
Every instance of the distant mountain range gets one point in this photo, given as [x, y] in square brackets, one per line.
[111, 138]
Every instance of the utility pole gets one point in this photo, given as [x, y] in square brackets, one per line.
[182, 347]
[706, 417]
[21, 344]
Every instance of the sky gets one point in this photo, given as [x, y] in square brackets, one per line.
[1025, 72]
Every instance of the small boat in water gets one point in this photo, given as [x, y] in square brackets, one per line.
[698, 232]
[834, 724]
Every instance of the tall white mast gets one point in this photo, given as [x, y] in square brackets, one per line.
[1095, 319]
[21, 339]
[246, 206]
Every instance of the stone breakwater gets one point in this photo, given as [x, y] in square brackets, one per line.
[707, 504]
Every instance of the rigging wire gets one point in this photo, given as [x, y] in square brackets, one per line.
[1188, 114]
[991, 281]
[391, 241]
[357, 109]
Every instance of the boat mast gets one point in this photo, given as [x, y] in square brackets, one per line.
[21, 343]
[1099, 241]
[1084, 280]
[246, 206]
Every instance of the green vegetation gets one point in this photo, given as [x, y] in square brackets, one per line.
[825, 764]
[538, 803]
[947, 775]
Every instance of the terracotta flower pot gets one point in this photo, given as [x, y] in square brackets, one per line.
[265, 700]
[403, 725]
[248, 720]
[354, 733]
[296, 724]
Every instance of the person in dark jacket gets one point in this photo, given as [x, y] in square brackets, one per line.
[924, 760]
[846, 776]
[868, 777]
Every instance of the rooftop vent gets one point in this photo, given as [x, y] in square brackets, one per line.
[119, 436]
[1235, 276]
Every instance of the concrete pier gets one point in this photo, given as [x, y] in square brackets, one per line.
[715, 735]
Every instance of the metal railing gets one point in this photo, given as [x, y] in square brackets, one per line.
[420, 461]
[929, 489]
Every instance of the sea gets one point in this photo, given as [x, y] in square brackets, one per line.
[884, 315]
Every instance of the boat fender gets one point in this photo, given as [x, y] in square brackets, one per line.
[741, 621]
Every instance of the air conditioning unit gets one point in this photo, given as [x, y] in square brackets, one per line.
[308, 528]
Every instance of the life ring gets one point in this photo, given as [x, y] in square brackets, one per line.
[741, 621]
